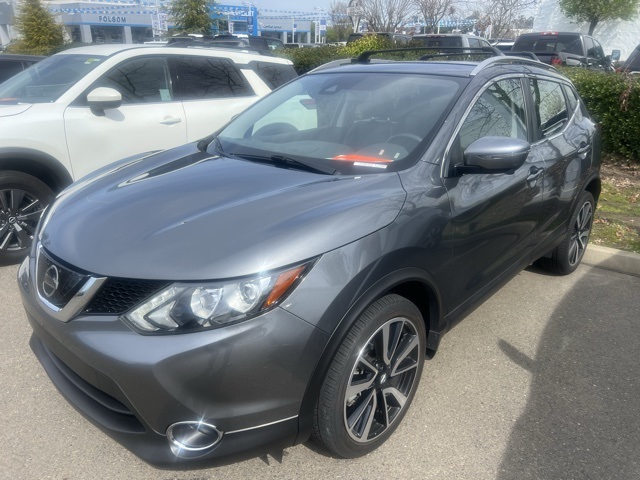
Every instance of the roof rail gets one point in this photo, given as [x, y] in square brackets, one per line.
[217, 46]
[441, 52]
[511, 60]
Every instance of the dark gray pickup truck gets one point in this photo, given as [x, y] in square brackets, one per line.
[564, 48]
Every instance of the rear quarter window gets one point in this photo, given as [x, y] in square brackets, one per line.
[273, 74]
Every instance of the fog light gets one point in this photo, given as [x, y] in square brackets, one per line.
[189, 439]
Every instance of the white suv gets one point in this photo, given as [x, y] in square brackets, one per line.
[87, 107]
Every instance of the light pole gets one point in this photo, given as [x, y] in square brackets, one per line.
[318, 36]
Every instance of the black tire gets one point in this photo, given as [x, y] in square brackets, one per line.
[23, 198]
[352, 424]
[566, 257]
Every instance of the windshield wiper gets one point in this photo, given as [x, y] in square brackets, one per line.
[287, 162]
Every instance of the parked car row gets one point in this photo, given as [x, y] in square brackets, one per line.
[287, 276]
[554, 48]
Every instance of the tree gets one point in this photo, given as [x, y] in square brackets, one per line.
[433, 11]
[340, 24]
[505, 13]
[386, 15]
[191, 16]
[40, 33]
[595, 11]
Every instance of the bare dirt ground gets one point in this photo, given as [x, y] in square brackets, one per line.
[617, 220]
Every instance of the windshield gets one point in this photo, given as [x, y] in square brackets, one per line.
[47, 80]
[367, 122]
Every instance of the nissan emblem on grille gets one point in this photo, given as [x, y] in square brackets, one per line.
[51, 281]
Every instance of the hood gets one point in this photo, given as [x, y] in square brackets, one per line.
[11, 110]
[186, 215]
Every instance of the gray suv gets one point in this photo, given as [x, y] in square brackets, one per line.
[287, 277]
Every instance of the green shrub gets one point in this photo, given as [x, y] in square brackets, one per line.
[306, 59]
[614, 101]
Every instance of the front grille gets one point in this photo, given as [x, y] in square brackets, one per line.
[56, 283]
[119, 295]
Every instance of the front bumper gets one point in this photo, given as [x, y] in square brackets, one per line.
[247, 379]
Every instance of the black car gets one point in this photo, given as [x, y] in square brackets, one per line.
[564, 48]
[12, 64]
[287, 277]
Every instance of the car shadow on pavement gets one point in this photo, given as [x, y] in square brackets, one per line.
[582, 416]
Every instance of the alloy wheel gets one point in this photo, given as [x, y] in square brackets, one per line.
[381, 380]
[20, 212]
[580, 233]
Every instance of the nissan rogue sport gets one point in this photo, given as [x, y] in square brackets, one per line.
[286, 277]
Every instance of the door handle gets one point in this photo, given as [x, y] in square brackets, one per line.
[534, 174]
[583, 150]
[170, 120]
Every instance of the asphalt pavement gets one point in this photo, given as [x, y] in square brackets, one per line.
[540, 382]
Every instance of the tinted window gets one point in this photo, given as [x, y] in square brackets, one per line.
[500, 111]
[205, 77]
[474, 42]
[589, 47]
[9, 69]
[549, 43]
[440, 41]
[550, 106]
[274, 74]
[142, 80]
[599, 52]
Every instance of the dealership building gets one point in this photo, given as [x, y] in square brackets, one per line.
[119, 21]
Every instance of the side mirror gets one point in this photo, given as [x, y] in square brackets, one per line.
[103, 98]
[615, 55]
[496, 153]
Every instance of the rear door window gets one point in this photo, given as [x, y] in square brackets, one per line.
[550, 107]
[209, 77]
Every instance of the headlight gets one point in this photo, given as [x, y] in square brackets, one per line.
[184, 307]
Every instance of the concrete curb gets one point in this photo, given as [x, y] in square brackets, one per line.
[612, 259]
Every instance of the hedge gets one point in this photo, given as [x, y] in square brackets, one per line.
[613, 99]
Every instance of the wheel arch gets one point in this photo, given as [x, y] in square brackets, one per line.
[415, 285]
[594, 187]
[40, 165]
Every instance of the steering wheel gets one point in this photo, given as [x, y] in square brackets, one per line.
[406, 140]
[276, 128]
